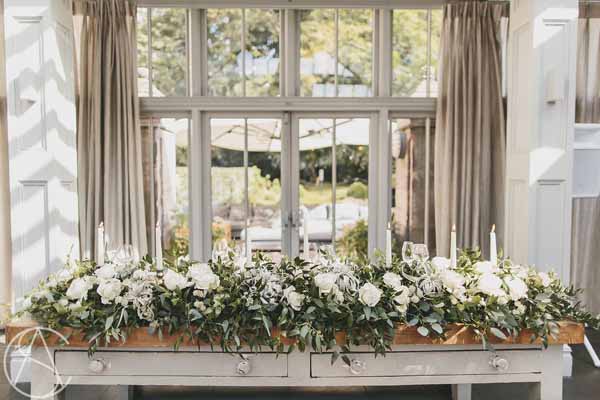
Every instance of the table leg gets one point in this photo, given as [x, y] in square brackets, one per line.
[550, 386]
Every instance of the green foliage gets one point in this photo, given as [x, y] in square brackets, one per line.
[291, 305]
[358, 190]
[354, 243]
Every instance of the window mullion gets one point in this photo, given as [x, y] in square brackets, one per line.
[244, 52]
[333, 182]
[337, 55]
[384, 60]
[149, 29]
[427, 179]
[428, 69]
[246, 186]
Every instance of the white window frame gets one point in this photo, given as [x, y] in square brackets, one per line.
[200, 107]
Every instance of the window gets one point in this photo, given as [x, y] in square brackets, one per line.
[336, 52]
[334, 177]
[412, 181]
[246, 188]
[415, 48]
[253, 71]
[165, 164]
[162, 52]
[286, 126]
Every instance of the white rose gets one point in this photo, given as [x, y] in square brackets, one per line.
[107, 271]
[26, 303]
[293, 298]
[325, 282]
[203, 277]
[79, 289]
[174, 280]
[545, 278]
[441, 263]
[403, 297]
[64, 275]
[369, 294]
[109, 289]
[452, 280]
[517, 289]
[485, 267]
[393, 281]
[491, 285]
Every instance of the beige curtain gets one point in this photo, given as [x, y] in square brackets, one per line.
[585, 235]
[588, 72]
[109, 140]
[470, 126]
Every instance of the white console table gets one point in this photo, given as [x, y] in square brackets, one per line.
[156, 363]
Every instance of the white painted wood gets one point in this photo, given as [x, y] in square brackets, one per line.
[413, 107]
[543, 38]
[300, 4]
[148, 363]
[190, 367]
[427, 364]
[5, 230]
[551, 385]
[42, 143]
[462, 392]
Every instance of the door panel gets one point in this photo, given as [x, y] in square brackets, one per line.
[42, 142]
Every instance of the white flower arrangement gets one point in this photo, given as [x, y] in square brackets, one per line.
[308, 303]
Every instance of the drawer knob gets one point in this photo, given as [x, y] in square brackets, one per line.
[357, 367]
[499, 363]
[243, 367]
[96, 365]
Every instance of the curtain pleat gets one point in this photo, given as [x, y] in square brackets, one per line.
[470, 126]
[109, 139]
[585, 234]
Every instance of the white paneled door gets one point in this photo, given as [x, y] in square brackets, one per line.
[41, 134]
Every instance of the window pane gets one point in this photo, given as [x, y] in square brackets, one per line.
[355, 53]
[436, 33]
[264, 184]
[224, 52]
[352, 190]
[165, 165]
[316, 196]
[142, 52]
[409, 182]
[227, 172]
[169, 58]
[343, 219]
[409, 53]
[262, 52]
[317, 52]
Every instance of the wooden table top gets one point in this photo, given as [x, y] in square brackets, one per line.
[456, 334]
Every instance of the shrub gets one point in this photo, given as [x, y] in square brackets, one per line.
[358, 190]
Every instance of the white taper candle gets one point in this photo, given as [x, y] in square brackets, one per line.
[158, 247]
[388, 246]
[493, 246]
[100, 245]
[453, 246]
[305, 236]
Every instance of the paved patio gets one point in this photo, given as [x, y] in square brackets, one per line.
[584, 385]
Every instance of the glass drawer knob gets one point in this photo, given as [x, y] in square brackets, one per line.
[96, 366]
[357, 367]
[499, 363]
[243, 367]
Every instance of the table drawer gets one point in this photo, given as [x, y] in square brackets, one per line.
[182, 363]
[426, 363]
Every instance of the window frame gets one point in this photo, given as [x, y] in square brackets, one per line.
[200, 107]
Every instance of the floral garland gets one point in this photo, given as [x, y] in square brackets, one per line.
[232, 301]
